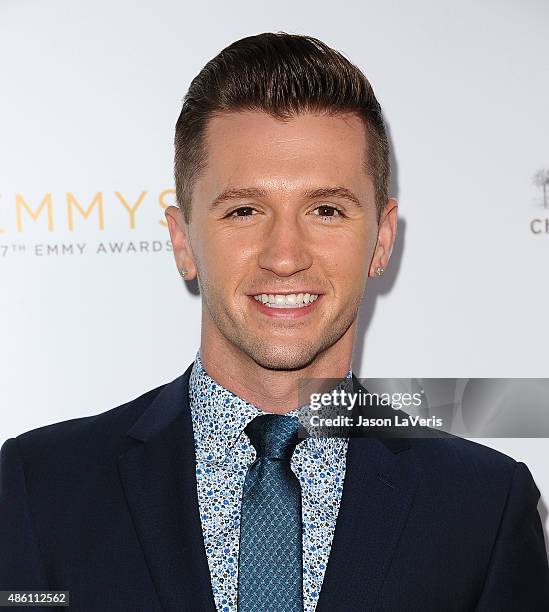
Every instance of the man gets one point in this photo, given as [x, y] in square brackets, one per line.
[200, 494]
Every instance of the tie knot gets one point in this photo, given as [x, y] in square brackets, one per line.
[273, 436]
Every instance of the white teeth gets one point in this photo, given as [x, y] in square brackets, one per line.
[293, 300]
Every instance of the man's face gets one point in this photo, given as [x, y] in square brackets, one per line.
[287, 225]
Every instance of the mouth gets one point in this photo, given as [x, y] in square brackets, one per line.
[286, 300]
[287, 305]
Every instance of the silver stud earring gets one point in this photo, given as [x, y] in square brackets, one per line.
[183, 273]
[379, 271]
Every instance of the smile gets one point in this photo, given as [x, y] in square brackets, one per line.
[292, 300]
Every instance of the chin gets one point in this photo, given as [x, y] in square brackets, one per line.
[283, 357]
[287, 354]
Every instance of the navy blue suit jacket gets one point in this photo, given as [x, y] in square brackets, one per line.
[106, 507]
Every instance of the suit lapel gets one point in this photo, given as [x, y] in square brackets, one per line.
[381, 477]
[159, 481]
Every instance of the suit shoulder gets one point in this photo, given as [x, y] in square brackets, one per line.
[475, 451]
[465, 459]
[83, 432]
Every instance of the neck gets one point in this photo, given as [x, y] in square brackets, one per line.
[274, 391]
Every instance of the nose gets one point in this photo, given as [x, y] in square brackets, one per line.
[285, 249]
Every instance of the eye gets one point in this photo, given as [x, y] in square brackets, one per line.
[242, 212]
[328, 211]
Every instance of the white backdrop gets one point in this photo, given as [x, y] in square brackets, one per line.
[90, 96]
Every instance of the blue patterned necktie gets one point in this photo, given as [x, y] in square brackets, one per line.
[270, 566]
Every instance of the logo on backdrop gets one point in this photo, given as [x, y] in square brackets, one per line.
[73, 225]
[540, 224]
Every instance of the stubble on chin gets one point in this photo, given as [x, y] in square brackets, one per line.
[276, 354]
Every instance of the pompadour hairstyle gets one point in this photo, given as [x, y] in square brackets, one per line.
[283, 75]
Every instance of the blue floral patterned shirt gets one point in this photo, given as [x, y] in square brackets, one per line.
[223, 454]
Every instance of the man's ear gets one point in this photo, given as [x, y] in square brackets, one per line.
[180, 242]
[386, 236]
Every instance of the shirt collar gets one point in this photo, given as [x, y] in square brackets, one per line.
[219, 417]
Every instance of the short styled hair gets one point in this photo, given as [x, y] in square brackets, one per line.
[283, 75]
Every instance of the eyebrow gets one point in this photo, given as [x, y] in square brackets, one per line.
[256, 192]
